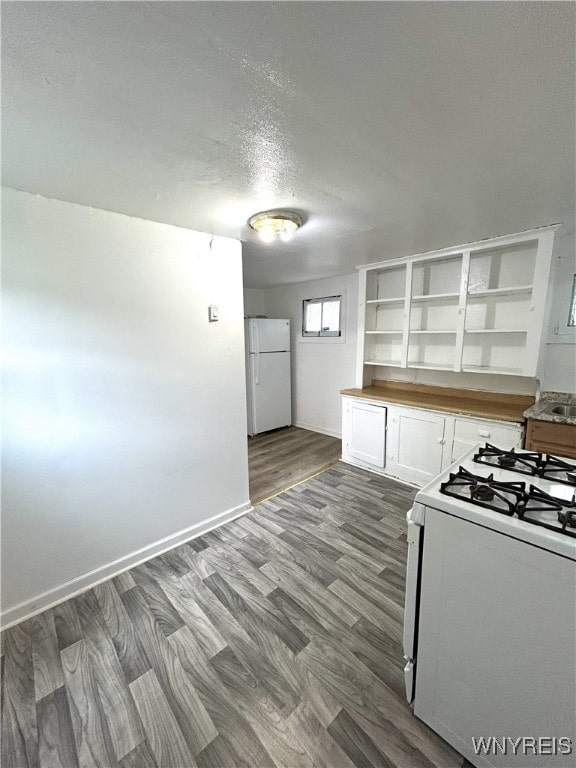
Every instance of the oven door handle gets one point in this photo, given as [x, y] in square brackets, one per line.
[415, 537]
[409, 672]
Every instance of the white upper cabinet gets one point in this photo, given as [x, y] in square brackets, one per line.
[474, 308]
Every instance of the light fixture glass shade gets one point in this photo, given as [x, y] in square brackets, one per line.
[275, 224]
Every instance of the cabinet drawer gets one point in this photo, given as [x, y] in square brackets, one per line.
[552, 438]
[478, 432]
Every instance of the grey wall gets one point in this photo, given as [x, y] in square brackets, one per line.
[124, 408]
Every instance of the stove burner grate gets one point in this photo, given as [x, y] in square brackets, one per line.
[558, 470]
[524, 462]
[537, 500]
[568, 519]
[484, 491]
[528, 463]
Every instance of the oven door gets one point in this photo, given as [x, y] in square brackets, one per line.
[415, 537]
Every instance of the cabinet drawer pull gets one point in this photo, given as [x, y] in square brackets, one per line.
[484, 432]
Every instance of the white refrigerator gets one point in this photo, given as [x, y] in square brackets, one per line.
[268, 374]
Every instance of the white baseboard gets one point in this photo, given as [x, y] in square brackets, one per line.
[315, 428]
[86, 581]
[378, 471]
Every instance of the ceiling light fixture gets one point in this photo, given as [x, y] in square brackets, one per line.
[275, 224]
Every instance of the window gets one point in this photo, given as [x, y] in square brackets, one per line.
[322, 317]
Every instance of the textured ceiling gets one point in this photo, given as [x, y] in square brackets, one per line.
[392, 127]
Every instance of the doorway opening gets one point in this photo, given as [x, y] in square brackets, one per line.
[284, 457]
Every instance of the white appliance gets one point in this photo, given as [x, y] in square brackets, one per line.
[490, 612]
[268, 391]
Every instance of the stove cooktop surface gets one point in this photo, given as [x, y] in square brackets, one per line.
[529, 495]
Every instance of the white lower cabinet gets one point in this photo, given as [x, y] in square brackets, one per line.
[363, 433]
[415, 444]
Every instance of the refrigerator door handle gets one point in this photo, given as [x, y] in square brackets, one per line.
[256, 339]
[257, 368]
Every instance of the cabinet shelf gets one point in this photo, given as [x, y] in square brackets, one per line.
[436, 332]
[392, 363]
[495, 330]
[489, 369]
[436, 297]
[386, 301]
[431, 366]
[501, 291]
[389, 333]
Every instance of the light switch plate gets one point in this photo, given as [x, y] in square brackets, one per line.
[212, 313]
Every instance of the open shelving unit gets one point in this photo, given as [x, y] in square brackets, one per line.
[473, 308]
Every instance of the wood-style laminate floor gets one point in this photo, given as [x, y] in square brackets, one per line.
[279, 459]
[272, 641]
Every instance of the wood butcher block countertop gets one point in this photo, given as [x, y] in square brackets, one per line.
[486, 405]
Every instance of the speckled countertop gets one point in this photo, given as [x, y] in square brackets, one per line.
[541, 409]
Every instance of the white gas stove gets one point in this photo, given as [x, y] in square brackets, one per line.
[490, 612]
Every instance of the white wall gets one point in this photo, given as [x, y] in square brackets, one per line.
[560, 370]
[320, 367]
[254, 302]
[125, 418]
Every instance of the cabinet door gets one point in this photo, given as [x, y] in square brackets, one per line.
[415, 444]
[364, 433]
